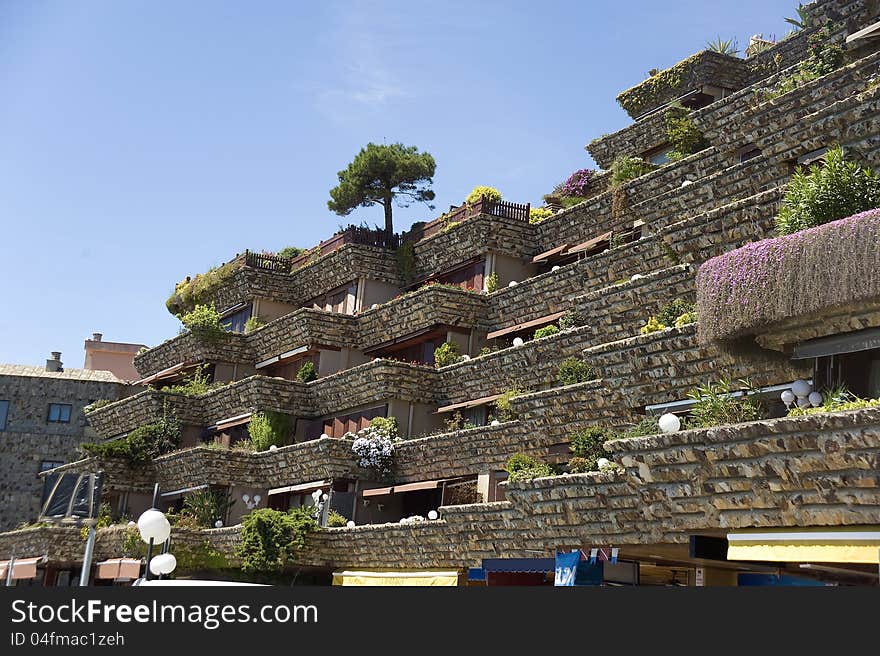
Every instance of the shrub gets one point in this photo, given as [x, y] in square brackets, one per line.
[573, 371]
[572, 319]
[374, 447]
[838, 402]
[307, 372]
[685, 138]
[673, 310]
[822, 194]
[538, 214]
[546, 331]
[203, 319]
[143, 443]
[253, 323]
[646, 426]
[577, 184]
[268, 429]
[195, 384]
[625, 168]
[291, 252]
[457, 422]
[587, 444]
[492, 283]
[336, 520]
[446, 354]
[524, 467]
[406, 262]
[685, 319]
[198, 290]
[579, 465]
[717, 406]
[652, 326]
[502, 405]
[206, 506]
[270, 538]
[723, 46]
[477, 193]
[386, 426]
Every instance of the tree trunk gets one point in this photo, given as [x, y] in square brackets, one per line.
[389, 223]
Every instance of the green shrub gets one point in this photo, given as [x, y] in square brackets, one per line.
[546, 331]
[538, 214]
[477, 193]
[195, 384]
[457, 422]
[446, 354]
[578, 465]
[822, 194]
[336, 520]
[836, 400]
[524, 467]
[406, 262]
[502, 405]
[652, 326]
[716, 406]
[143, 443]
[387, 425]
[253, 323]
[572, 319]
[206, 506]
[291, 252]
[625, 168]
[203, 319]
[198, 290]
[647, 426]
[685, 319]
[573, 371]
[684, 137]
[673, 310]
[307, 373]
[271, 538]
[492, 283]
[94, 405]
[268, 429]
[587, 444]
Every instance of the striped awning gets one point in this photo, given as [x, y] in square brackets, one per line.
[428, 578]
[806, 546]
[22, 568]
[118, 569]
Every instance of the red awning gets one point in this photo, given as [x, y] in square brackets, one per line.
[467, 404]
[412, 487]
[587, 245]
[377, 492]
[238, 420]
[165, 373]
[118, 568]
[542, 321]
[559, 250]
[22, 568]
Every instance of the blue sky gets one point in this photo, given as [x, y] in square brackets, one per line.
[144, 141]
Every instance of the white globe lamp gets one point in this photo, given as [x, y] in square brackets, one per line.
[218, 523]
[518, 341]
[801, 388]
[637, 276]
[803, 402]
[495, 422]
[153, 526]
[556, 267]
[432, 514]
[512, 283]
[669, 423]
[602, 463]
[787, 397]
[349, 524]
[815, 399]
[163, 564]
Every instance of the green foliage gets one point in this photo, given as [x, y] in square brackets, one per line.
[625, 168]
[103, 520]
[646, 426]
[206, 506]
[269, 429]
[203, 320]
[578, 465]
[195, 384]
[503, 407]
[492, 283]
[457, 422]
[271, 538]
[546, 331]
[387, 425]
[199, 558]
[573, 371]
[253, 323]
[660, 84]
[723, 46]
[198, 290]
[491, 194]
[826, 193]
[406, 262]
[824, 57]
[307, 372]
[572, 319]
[336, 520]
[652, 326]
[587, 444]
[684, 137]
[673, 310]
[143, 443]
[94, 405]
[538, 214]
[521, 467]
[291, 252]
[804, 18]
[716, 405]
[446, 354]
[384, 175]
[571, 201]
[685, 319]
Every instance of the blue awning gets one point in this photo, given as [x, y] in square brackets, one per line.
[476, 574]
[519, 564]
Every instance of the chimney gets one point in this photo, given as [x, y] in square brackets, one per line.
[96, 337]
[54, 363]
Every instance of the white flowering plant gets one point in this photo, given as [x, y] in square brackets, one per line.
[374, 447]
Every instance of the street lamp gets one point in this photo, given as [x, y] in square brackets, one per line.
[155, 528]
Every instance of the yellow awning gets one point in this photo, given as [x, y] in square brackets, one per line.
[399, 578]
[806, 546]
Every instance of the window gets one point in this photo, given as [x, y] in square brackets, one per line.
[236, 321]
[46, 465]
[4, 411]
[59, 413]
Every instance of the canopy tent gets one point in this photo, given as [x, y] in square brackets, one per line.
[399, 578]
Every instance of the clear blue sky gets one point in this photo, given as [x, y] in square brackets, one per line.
[144, 141]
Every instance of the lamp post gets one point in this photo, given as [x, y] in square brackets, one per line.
[154, 528]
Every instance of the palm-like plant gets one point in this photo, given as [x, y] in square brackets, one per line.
[803, 20]
[723, 46]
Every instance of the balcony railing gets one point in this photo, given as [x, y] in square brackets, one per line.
[501, 208]
[267, 261]
[351, 235]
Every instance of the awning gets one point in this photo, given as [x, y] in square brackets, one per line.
[591, 243]
[299, 350]
[467, 404]
[118, 568]
[865, 33]
[546, 255]
[302, 487]
[376, 492]
[446, 578]
[22, 568]
[412, 487]
[165, 373]
[860, 340]
[806, 546]
[183, 490]
[525, 326]
[519, 564]
[237, 420]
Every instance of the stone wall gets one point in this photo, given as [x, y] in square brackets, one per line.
[303, 327]
[193, 348]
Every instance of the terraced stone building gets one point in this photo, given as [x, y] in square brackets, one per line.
[368, 310]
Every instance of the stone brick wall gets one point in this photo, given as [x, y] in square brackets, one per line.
[28, 439]
[192, 348]
[305, 326]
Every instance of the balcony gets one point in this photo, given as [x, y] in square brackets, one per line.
[350, 235]
[192, 348]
